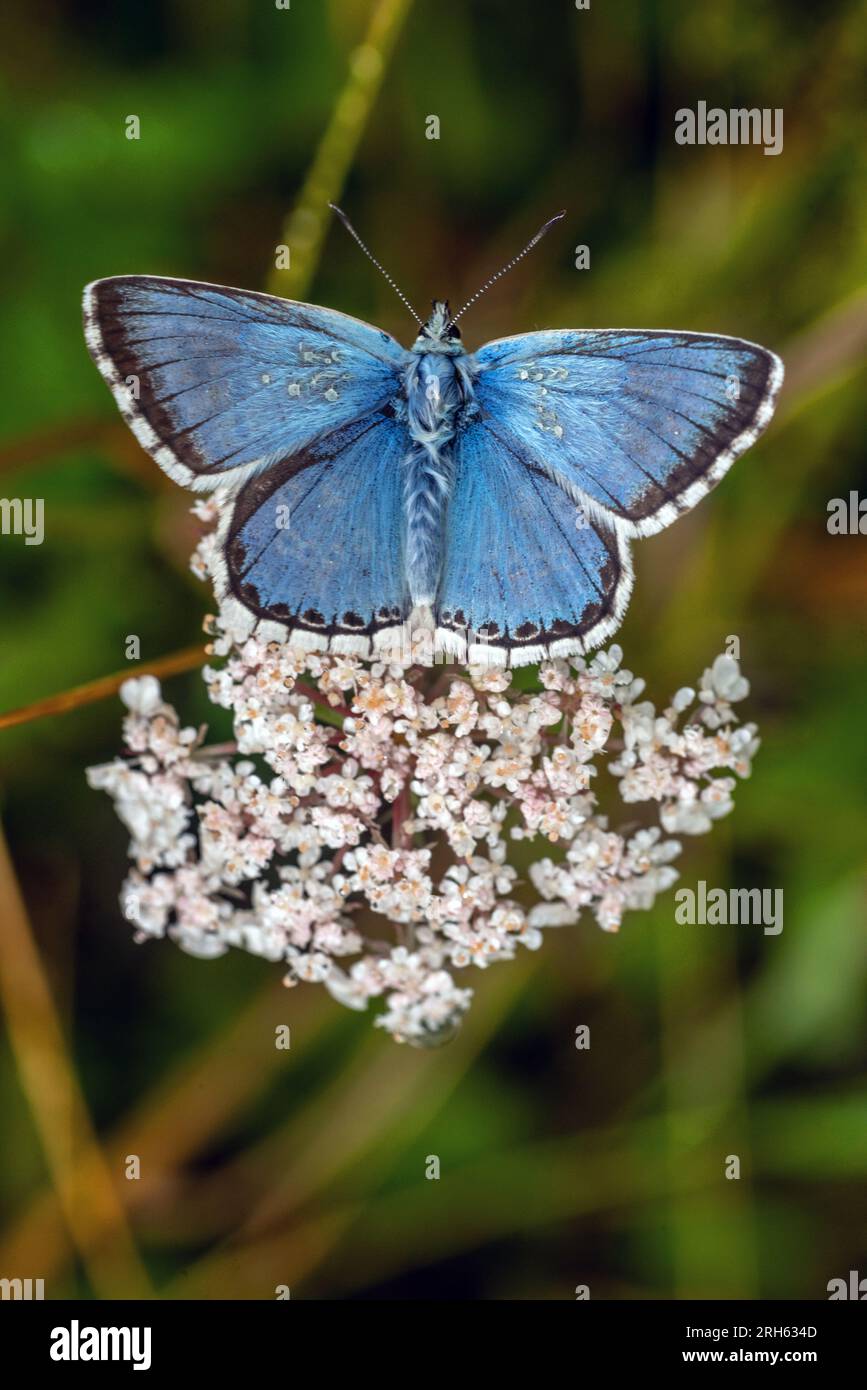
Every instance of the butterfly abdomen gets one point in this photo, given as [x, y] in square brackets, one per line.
[436, 393]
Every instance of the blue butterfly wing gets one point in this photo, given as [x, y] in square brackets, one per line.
[635, 425]
[316, 542]
[526, 574]
[215, 380]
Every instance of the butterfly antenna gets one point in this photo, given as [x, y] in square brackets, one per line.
[500, 273]
[353, 233]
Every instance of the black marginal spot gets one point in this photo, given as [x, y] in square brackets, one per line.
[591, 615]
[352, 620]
[610, 573]
[314, 617]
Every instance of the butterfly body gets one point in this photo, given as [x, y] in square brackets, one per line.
[438, 394]
[490, 496]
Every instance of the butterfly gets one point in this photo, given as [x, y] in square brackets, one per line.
[487, 498]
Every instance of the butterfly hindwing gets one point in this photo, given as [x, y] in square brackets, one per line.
[525, 574]
[316, 542]
[214, 380]
[636, 425]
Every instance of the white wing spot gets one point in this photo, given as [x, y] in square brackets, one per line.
[546, 414]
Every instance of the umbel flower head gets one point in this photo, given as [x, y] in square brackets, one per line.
[358, 827]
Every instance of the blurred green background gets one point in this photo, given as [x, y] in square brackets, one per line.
[306, 1168]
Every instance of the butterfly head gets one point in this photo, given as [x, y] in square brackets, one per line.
[439, 334]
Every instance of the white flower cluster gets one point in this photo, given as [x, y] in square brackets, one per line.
[357, 828]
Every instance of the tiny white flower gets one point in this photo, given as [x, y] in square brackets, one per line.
[142, 695]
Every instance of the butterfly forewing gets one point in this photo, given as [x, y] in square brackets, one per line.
[639, 425]
[214, 380]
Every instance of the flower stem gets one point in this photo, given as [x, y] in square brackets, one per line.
[103, 687]
[87, 1188]
[305, 228]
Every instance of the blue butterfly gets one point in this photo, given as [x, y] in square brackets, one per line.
[489, 497]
